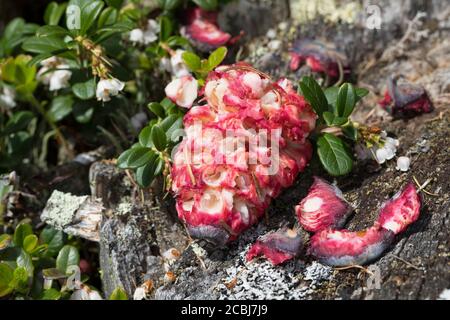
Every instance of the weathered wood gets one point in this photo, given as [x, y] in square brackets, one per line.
[134, 231]
[75, 215]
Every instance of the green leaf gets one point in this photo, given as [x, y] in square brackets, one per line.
[174, 41]
[328, 117]
[53, 274]
[208, 5]
[18, 122]
[30, 242]
[5, 240]
[24, 260]
[118, 294]
[170, 125]
[146, 174]
[192, 61]
[139, 156]
[331, 94]
[15, 27]
[61, 106]
[145, 138]
[51, 294]
[216, 57]
[20, 279]
[333, 155]
[158, 137]
[83, 111]
[53, 238]
[350, 132]
[54, 12]
[346, 100]
[67, 256]
[50, 44]
[157, 109]
[39, 58]
[84, 90]
[107, 17]
[6, 276]
[22, 230]
[169, 5]
[89, 13]
[166, 103]
[51, 31]
[122, 161]
[339, 121]
[115, 3]
[361, 93]
[166, 28]
[314, 95]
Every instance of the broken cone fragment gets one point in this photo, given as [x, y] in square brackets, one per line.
[319, 57]
[405, 100]
[278, 247]
[400, 211]
[343, 247]
[202, 29]
[323, 207]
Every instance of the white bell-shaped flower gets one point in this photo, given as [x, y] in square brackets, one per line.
[107, 88]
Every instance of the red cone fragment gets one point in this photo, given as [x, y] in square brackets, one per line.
[402, 210]
[319, 56]
[278, 247]
[405, 100]
[323, 207]
[344, 248]
[203, 30]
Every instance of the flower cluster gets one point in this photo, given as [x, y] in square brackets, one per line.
[55, 73]
[241, 148]
[147, 35]
[380, 147]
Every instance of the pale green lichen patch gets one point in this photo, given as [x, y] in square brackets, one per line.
[61, 209]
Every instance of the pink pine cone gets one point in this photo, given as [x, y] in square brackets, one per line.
[218, 185]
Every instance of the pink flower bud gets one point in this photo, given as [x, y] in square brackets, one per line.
[182, 91]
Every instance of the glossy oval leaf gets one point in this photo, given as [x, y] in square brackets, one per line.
[158, 137]
[216, 57]
[139, 157]
[22, 230]
[346, 100]
[333, 155]
[30, 242]
[84, 90]
[67, 256]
